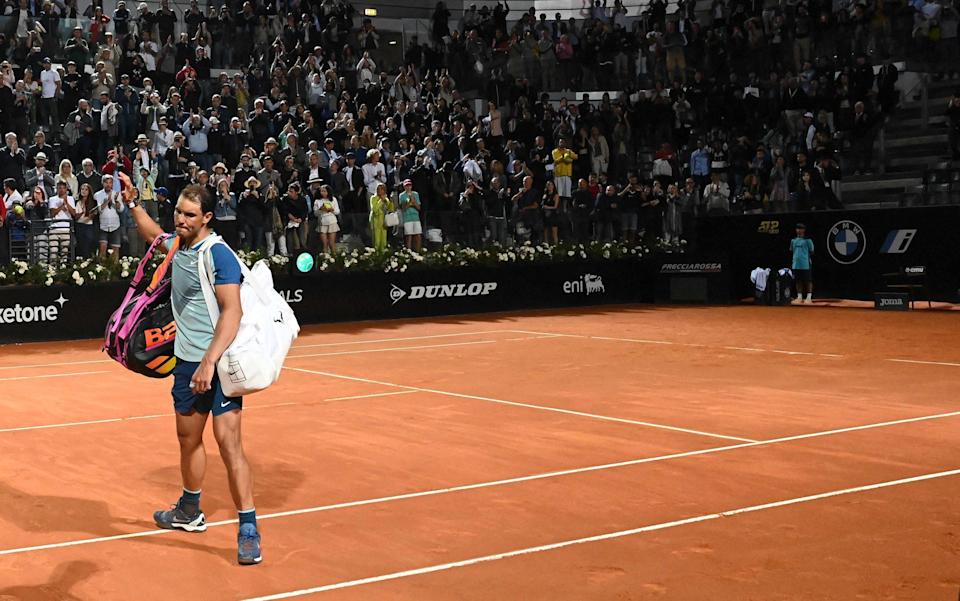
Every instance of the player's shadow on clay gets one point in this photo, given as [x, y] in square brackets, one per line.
[63, 579]
[63, 514]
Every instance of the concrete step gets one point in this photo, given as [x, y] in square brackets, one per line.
[910, 164]
[935, 96]
[914, 124]
[880, 186]
[915, 138]
[937, 160]
[944, 84]
[873, 200]
[886, 177]
[891, 202]
[935, 102]
[914, 112]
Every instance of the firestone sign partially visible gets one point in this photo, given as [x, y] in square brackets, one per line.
[30, 314]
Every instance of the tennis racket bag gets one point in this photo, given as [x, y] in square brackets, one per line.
[141, 332]
[780, 287]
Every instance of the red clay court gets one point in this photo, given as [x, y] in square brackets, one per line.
[730, 453]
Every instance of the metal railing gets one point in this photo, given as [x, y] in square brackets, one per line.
[941, 185]
[50, 241]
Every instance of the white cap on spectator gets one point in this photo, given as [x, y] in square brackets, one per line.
[808, 115]
[40, 157]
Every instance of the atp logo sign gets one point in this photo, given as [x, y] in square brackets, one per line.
[769, 227]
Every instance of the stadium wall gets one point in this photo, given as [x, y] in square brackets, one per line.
[856, 253]
[32, 313]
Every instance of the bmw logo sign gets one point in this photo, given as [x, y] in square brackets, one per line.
[846, 242]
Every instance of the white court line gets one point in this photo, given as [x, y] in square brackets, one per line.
[396, 348]
[487, 484]
[60, 364]
[557, 334]
[606, 536]
[639, 340]
[944, 363]
[326, 344]
[369, 396]
[691, 344]
[528, 338]
[525, 405]
[159, 415]
[404, 338]
[95, 421]
[416, 348]
[79, 373]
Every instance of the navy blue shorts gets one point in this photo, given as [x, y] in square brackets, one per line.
[185, 400]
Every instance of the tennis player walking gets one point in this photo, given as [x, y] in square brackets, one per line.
[198, 346]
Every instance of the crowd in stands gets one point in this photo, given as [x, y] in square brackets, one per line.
[310, 134]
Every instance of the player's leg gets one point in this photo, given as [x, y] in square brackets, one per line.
[191, 415]
[193, 456]
[186, 513]
[227, 430]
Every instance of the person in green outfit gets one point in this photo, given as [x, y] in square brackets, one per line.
[380, 205]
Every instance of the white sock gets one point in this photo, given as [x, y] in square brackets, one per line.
[809, 296]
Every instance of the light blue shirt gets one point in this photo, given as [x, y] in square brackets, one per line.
[700, 162]
[194, 325]
[802, 248]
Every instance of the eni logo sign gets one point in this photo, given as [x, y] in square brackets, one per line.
[587, 284]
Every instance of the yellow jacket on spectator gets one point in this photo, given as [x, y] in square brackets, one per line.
[379, 207]
[563, 159]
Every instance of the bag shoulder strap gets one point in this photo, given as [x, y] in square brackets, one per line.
[205, 269]
[207, 278]
[164, 266]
